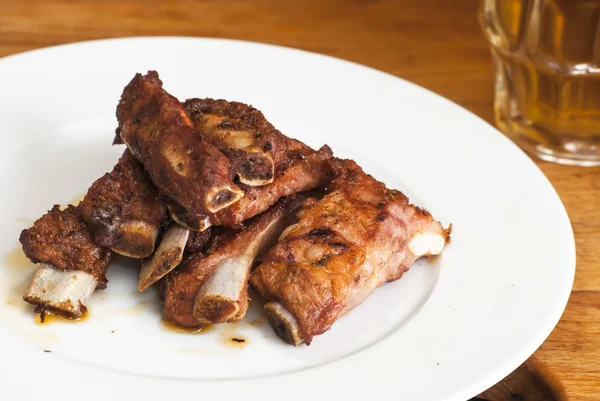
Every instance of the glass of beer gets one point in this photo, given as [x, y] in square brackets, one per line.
[546, 57]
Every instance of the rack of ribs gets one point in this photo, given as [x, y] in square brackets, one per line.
[213, 287]
[359, 236]
[218, 188]
[71, 265]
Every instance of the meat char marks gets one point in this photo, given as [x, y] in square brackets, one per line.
[122, 209]
[359, 236]
[71, 265]
[181, 161]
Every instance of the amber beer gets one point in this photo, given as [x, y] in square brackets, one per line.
[547, 67]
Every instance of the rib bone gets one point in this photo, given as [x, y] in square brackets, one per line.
[426, 244]
[179, 215]
[284, 323]
[219, 298]
[303, 174]
[258, 168]
[359, 236]
[122, 210]
[62, 291]
[219, 197]
[166, 258]
[223, 297]
[137, 239]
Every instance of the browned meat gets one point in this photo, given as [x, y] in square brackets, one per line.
[60, 238]
[255, 147]
[184, 164]
[122, 209]
[307, 170]
[70, 265]
[197, 241]
[213, 288]
[359, 236]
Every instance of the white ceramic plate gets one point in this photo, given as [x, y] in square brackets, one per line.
[447, 330]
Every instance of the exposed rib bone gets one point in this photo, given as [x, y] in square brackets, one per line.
[305, 173]
[180, 216]
[219, 298]
[62, 291]
[219, 197]
[224, 296]
[359, 236]
[426, 244]
[284, 323]
[136, 239]
[166, 258]
[258, 169]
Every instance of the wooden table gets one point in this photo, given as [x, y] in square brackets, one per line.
[436, 44]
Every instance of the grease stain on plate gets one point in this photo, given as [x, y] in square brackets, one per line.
[25, 220]
[173, 328]
[231, 338]
[16, 260]
[139, 308]
[53, 318]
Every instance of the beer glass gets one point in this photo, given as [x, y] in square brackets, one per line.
[546, 56]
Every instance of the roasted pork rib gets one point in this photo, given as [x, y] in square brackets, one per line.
[181, 161]
[122, 209]
[359, 236]
[257, 150]
[71, 265]
[213, 288]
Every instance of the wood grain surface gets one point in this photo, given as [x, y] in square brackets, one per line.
[436, 44]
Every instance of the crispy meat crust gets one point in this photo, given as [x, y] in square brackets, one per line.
[61, 238]
[342, 248]
[124, 195]
[197, 241]
[183, 163]
[307, 170]
[240, 130]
